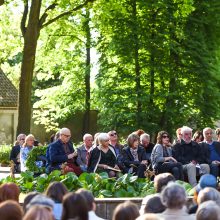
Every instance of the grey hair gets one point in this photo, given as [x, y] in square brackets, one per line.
[207, 194]
[86, 136]
[185, 129]
[20, 136]
[64, 130]
[204, 130]
[173, 196]
[103, 137]
[144, 136]
[208, 210]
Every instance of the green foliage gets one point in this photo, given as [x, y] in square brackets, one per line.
[5, 154]
[33, 157]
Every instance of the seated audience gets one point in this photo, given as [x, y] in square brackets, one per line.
[147, 145]
[208, 210]
[83, 152]
[160, 181]
[161, 157]
[134, 156]
[74, 207]
[62, 151]
[103, 157]
[10, 210]
[188, 153]
[38, 212]
[25, 150]
[174, 198]
[9, 191]
[15, 152]
[127, 210]
[56, 191]
[90, 203]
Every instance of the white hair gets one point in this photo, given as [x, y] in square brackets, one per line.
[103, 137]
[86, 136]
[205, 129]
[144, 136]
[185, 129]
[64, 130]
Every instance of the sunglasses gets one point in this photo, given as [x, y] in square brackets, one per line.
[165, 136]
[113, 134]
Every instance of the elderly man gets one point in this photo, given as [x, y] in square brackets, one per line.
[211, 151]
[62, 151]
[15, 151]
[189, 153]
[147, 145]
[84, 152]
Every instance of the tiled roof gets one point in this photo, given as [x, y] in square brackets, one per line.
[8, 92]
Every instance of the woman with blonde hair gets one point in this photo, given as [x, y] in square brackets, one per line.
[25, 150]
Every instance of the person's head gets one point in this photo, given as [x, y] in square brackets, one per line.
[103, 139]
[208, 210]
[206, 180]
[39, 213]
[163, 138]
[178, 134]
[89, 198]
[161, 180]
[197, 136]
[173, 196]
[127, 210]
[29, 141]
[96, 141]
[217, 132]
[28, 198]
[88, 140]
[139, 132]
[9, 191]
[10, 210]
[79, 203]
[154, 205]
[145, 139]
[186, 134]
[65, 135]
[207, 194]
[149, 216]
[41, 200]
[207, 133]
[56, 191]
[133, 140]
[21, 139]
[113, 136]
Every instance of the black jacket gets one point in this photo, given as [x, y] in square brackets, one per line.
[14, 153]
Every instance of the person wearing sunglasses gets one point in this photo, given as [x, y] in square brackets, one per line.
[162, 159]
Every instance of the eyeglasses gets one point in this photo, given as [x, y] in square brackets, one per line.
[113, 134]
[165, 136]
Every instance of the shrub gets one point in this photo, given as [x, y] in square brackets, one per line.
[5, 154]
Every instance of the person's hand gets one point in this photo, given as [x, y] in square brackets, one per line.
[75, 154]
[173, 159]
[70, 156]
[144, 162]
[116, 167]
[194, 162]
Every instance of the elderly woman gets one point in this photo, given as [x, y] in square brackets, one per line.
[103, 157]
[134, 156]
[174, 198]
[25, 150]
[161, 157]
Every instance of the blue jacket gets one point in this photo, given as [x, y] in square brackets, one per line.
[56, 155]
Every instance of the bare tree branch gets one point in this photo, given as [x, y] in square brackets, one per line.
[67, 13]
[24, 18]
[45, 14]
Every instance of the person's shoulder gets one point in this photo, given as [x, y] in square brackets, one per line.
[16, 147]
[81, 147]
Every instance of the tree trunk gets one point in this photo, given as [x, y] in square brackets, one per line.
[31, 35]
[86, 121]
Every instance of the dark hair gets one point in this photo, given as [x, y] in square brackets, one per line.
[161, 180]
[160, 136]
[154, 205]
[197, 135]
[28, 198]
[217, 131]
[127, 210]
[88, 196]
[9, 191]
[132, 138]
[74, 206]
[10, 210]
[56, 191]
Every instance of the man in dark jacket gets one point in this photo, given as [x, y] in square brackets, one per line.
[211, 151]
[134, 156]
[62, 151]
[189, 153]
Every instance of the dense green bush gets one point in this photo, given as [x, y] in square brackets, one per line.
[5, 154]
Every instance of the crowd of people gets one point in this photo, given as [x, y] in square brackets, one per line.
[168, 203]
